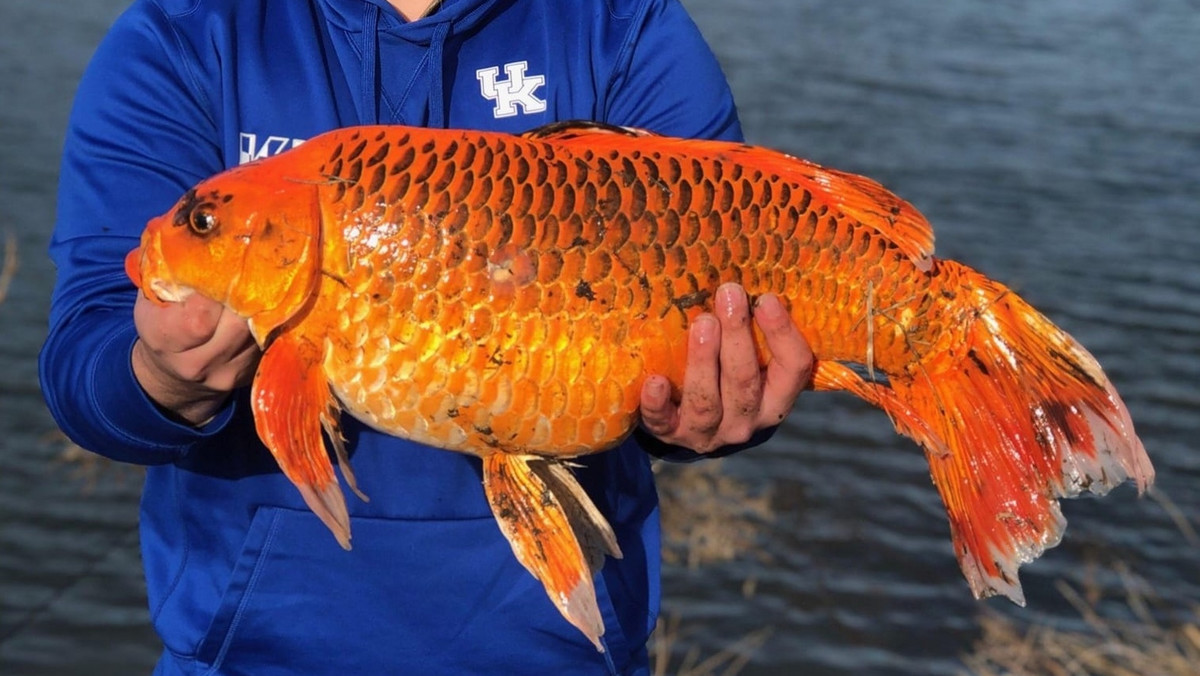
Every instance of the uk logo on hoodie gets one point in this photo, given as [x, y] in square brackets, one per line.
[518, 90]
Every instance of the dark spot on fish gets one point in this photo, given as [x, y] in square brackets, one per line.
[504, 225]
[805, 200]
[399, 188]
[707, 195]
[628, 172]
[336, 154]
[747, 195]
[726, 202]
[685, 197]
[427, 171]
[457, 219]
[545, 200]
[540, 172]
[674, 171]
[637, 205]
[667, 229]
[468, 155]
[226, 199]
[502, 163]
[484, 193]
[694, 299]
[402, 163]
[584, 290]
[611, 202]
[1060, 417]
[505, 198]
[379, 154]
[355, 171]
[522, 170]
[486, 159]
[446, 178]
[566, 201]
[420, 197]
[357, 151]
[581, 172]
[451, 149]
[1075, 368]
[590, 198]
[978, 362]
[377, 179]
[428, 147]
[524, 201]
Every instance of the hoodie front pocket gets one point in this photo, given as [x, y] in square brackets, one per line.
[410, 597]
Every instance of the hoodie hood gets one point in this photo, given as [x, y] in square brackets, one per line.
[416, 95]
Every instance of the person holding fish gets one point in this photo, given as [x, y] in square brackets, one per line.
[241, 577]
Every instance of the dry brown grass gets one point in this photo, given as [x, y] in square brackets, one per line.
[671, 638]
[8, 269]
[1138, 642]
[1108, 647]
[707, 517]
[88, 468]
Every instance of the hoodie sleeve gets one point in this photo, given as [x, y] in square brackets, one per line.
[667, 79]
[139, 134]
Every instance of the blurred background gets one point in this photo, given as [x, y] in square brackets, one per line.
[1055, 145]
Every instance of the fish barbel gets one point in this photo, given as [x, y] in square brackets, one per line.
[506, 296]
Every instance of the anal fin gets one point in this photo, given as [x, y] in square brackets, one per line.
[554, 530]
[832, 376]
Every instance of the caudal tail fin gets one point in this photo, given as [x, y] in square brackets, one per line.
[1025, 416]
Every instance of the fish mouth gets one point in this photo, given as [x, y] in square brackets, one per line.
[156, 289]
[169, 292]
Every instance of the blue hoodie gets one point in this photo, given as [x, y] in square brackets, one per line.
[242, 578]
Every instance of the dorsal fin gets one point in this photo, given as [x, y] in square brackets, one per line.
[876, 207]
[856, 196]
[573, 129]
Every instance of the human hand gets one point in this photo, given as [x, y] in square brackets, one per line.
[726, 396]
[190, 355]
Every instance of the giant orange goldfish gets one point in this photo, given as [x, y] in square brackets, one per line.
[505, 296]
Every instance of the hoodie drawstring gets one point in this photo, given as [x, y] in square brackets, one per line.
[433, 67]
[369, 102]
[437, 103]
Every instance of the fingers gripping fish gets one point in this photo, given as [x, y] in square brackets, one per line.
[505, 296]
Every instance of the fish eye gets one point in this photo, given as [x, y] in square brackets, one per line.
[202, 221]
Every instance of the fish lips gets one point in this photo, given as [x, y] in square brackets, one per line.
[157, 289]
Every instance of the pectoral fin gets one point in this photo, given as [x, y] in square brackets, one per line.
[291, 402]
[555, 531]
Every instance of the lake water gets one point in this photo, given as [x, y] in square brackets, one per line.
[1053, 144]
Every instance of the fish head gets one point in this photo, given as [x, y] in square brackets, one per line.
[245, 238]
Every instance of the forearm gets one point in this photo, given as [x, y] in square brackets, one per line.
[90, 387]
